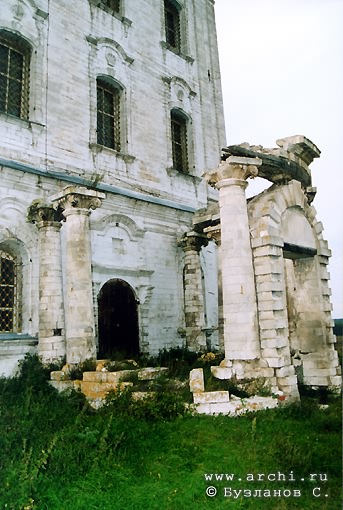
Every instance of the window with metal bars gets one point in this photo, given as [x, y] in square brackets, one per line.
[111, 6]
[14, 75]
[8, 293]
[179, 141]
[172, 25]
[108, 115]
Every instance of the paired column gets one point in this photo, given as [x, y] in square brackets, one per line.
[194, 305]
[76, 202]
[51, 334]
[241, 338]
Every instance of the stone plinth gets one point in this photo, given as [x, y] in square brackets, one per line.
[76, 203]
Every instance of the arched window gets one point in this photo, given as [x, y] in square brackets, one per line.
[172, 25]
[14, 75]
[8, 293]
[179, 141]
[108, 114]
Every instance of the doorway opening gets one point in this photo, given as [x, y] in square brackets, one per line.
[117, 320]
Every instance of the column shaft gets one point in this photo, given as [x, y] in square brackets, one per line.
[51, 334]
[238, 281]
[194, 306]
[80, 324]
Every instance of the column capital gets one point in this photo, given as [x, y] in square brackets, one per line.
[74, 198]
[43, 214]
[214, 233]
[193, 241]
[235, 169]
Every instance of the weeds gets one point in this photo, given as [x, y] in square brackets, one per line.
[57, 453]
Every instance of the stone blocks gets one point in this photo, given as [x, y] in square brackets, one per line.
[196, 380]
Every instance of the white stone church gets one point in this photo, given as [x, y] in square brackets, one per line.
[124, 226]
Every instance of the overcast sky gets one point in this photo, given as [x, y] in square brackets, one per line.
[282, 75]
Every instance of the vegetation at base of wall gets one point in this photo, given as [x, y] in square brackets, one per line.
[57, 453]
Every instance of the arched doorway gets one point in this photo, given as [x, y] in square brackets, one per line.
[118, 320]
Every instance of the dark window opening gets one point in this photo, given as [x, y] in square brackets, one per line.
[111, 6]
[8, 293]
[108, 115]
[179, 141]
[172, 25]
[14, 75]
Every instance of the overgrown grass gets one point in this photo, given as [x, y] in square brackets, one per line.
[57, 453]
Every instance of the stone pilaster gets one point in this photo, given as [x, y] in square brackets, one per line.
[214, 233]
[241, 338]
[76, 203]
[51, 334]
[194, 304]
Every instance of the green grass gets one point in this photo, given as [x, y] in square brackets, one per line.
[58, 454]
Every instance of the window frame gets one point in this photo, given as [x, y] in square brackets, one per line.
[106, 85]
[172, 12]
[180, 148]
[114, 7]
[14, 309]
[16, 45]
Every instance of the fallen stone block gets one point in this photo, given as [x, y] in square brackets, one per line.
[196, 380]
[208, 397]
[59, 375]
[148, 374]
[222, 372]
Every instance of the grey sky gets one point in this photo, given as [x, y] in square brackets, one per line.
[282, 75]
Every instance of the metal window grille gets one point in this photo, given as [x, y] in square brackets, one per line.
[8, 293]
[108, 115]
[172, 25]
[14, 76]
[112, 6]
[179, 142]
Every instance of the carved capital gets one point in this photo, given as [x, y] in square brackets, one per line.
[234, 167]
[214, 233]
[76, 198]
[40, 212]
[192, 241]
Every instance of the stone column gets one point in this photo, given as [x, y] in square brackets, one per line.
[51, 334]
[76, 203]
[241, 338]
[214, 233]
[194, 304]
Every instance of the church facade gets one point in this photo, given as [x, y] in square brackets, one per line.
[120, 230]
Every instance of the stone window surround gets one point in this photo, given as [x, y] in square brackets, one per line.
[17, 308]
[119, 14]
[18, 98]
[35, 37]
[171, 170]
[182, 49]
[115, 90]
